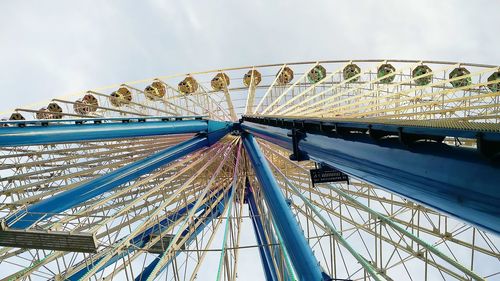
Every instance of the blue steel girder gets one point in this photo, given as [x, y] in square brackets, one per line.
[104, 129]
[303, 260]
[455, 180]
[265, 253]
[67, 199]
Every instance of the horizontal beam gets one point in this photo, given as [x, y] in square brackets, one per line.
[454, 180]
[98, 130]
[386, 127]
[301, 255]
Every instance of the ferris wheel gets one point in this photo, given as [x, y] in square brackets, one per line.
[327, 170]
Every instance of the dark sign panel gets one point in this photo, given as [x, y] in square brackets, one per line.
[327, 174]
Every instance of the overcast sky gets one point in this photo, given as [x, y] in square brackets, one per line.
[52, 48]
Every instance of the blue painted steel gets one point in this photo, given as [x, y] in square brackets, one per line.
[262, 254]
[301, 255]
[146, 272]
[138, 242]
[265, 253]
[32, 135]
[98, 119]
[70, 198]
[453, 180]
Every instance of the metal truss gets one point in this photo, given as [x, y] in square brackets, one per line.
[157, 179]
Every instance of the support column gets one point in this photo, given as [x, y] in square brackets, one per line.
[265, 254]
[301, 255]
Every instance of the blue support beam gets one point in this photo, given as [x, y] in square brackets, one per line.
[301, 255]
[102, 130]
[458, 181]
[265, 253]
[67, 199]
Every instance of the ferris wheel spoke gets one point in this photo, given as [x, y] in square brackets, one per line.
[327, 226]
[278, 110]
[81, 149]
[445, 99]
[269, 90]
[187, 235]
[216, 105]
[151, 215]
[251, 92]
[223, 261]
[200, 100]
[373, 92]
[159, 188]
[28, 218]
[175, 97]
[142, 152]
[229, 102]
[173, 246]
[376, 84]
[139, 243]
[167, 185]
[309, 96]
[301, 79]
